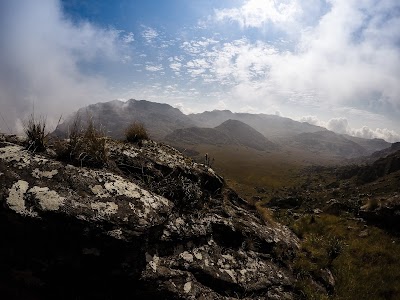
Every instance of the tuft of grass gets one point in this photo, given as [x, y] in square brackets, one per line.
[35, 132]
[136, 133]
[363, 267]
[371, 204]
[85, 146]
[265, 213]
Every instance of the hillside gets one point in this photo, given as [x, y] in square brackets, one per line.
[115, 116]
[231, 132]
[328, 143]
[271, 126]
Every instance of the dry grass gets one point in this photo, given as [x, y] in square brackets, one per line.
[135, 133]
[36, 135]
[85, 146]
[364, 267]
[265, 214]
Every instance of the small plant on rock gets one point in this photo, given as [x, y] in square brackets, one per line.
[36, 135]
[135, 133]
[85, 146]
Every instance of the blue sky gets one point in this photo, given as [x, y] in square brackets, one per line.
[333, 63]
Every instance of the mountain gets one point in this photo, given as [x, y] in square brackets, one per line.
[230, 132]
[115, 116]
[327, 143]
[256, 131]
[271, 126]
[371, 145]
[385, 152]
[245, 135]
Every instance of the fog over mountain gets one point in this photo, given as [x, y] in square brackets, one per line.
[257, 131]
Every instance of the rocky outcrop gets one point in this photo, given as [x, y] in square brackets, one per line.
[383, 212]
[152, 225]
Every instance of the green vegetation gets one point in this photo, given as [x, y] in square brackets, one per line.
[136, 133]
[84, 146]
[365, 261]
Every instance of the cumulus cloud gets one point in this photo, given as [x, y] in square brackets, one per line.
[349, 56]
[339, 125]
[40, 58]
[342, 126]
[256, 13]
[380, 133]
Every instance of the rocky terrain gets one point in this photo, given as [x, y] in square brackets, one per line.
[150, 224]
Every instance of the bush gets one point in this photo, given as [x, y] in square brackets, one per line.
[86, 147]
[135, 133]
[36, 136]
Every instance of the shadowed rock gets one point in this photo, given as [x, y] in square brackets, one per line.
[152, 225]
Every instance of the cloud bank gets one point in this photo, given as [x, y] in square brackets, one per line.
[341, 126]
[40, 58]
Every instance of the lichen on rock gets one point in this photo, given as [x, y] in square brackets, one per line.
[162, 227]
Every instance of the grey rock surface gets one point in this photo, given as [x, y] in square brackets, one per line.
[153, 224]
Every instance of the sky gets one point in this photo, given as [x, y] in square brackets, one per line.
[332, 63]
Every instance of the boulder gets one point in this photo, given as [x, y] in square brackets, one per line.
[151, 225]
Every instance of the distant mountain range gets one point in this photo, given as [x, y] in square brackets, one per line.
[230, 132]
[222, 127]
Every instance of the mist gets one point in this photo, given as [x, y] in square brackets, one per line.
[40, 58]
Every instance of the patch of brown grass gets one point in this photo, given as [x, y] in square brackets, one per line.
[136, 132]
[85, 146]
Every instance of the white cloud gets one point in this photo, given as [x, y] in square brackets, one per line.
[341, 125]
[257, 13]
[149, 34]
[349, 56]
[154, 68]
[41, 57]
[313, 120]
[128, 38]
[381, 133]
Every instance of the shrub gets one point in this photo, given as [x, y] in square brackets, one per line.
[135, 133]
[87, 146]
[35, 131]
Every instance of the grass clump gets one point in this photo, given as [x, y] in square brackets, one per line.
[35, 132]
[85, 146]
[136, 133]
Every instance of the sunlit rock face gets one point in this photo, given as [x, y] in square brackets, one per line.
[152, 224]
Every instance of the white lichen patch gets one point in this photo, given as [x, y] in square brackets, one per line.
[116, 233]
[197, 254]
[228, 257]
[153, 263]
[16, 200]
[179, 222]
[47, 174]
[232, 274]
[187, 287]
[48, 200]
[104, 208]
[123, 188]
[99, 191]
[22, 158]
[186, 256]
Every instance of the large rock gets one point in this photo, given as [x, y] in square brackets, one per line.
[153, 225]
